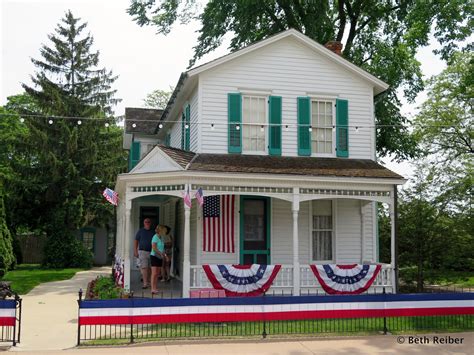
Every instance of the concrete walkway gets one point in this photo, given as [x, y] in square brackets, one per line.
[49, 318]
[375, 344]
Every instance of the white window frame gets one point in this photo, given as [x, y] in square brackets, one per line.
[333, 131]
[265, 125]
[333, 244]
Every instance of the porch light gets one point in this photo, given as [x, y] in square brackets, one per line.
[79, 122]
[310, 129]
[50, 121]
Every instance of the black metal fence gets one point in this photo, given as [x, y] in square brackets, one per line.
[10, 325]
[129, 333]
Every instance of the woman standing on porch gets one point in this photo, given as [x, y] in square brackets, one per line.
[157, 257]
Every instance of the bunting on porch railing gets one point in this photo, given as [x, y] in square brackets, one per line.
[242, 280]
[345, 279]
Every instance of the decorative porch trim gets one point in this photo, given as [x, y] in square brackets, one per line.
[341, 192]
[158, 188]
[244, 189]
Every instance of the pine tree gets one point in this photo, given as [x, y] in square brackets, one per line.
[7, 259]
[72, 160]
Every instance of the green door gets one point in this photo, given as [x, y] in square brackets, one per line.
[254, 230]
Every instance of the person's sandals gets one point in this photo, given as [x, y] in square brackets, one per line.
[155, 292]
[145, 286]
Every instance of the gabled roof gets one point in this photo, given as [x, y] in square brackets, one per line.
[145, 120]
[265, 164]
[190, 75]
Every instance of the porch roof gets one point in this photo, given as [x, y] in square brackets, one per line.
[261, 164]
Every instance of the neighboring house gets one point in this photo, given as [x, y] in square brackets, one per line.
[100, 241]
[284, 131]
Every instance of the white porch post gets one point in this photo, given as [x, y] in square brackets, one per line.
[392, 243]
[186, 247]
[127, 245]
[295, 207]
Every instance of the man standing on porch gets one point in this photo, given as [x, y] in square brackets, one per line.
[142, 249]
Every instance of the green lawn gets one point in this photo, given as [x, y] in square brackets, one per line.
[454, 278]
[27, 276]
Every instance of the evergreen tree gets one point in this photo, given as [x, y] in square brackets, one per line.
[7, 259]
[71, 160]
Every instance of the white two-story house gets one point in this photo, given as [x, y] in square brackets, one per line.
[283, 133]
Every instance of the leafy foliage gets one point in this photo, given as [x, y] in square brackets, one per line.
[158, 98]
[380, 36]
[67, 163]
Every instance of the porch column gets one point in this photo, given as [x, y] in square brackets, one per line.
[392, 243]
[295, 207]
[127, 245]
[186, 247]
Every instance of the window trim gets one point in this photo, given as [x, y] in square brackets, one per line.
[332, 100]
[334, 221]
[265, 125]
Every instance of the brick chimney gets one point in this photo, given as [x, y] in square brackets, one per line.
[334, 46]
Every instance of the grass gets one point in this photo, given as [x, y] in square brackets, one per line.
[26, 276]
[453, 278]
[276, 329]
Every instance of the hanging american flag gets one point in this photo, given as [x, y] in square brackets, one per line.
[218, 224]
[187, 198]
[111, 196]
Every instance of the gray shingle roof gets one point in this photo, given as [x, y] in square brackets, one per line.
[145, 119]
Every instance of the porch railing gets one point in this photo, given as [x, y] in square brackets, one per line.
[308, 282]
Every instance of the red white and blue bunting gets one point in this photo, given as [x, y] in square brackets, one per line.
[242, 280]
[345, 279]
[234, 309]
[7, 313]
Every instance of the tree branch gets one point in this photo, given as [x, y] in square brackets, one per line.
[342, 20]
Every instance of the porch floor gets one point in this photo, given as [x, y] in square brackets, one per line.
[171, 289]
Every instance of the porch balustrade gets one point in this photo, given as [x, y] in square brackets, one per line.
[308, 282]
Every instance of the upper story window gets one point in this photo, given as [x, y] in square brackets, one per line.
[254, 122]
[322, 121]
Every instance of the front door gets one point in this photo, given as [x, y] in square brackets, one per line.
[152, 213]
[254, 230]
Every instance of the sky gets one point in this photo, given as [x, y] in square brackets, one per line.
[144, 60]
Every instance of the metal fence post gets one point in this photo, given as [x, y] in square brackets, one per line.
[19, 301]
[79, 318]
[131, 318]
[385, 330]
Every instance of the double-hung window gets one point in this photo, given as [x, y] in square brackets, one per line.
[322, 230]
[322, 123]
[254, 123]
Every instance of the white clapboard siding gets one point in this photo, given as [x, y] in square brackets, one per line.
[368, 220]
[175, 132]
[288, 69]
[348, 231]
[282, 232]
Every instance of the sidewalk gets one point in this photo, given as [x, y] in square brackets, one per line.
[49, 317]
[375, 344]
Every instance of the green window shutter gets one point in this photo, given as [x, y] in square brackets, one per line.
[168, 140]
[234, 113]
[187, 143]
[342, 129]
[274, 104]
[183, 119]
[304, 135]
[134, 155]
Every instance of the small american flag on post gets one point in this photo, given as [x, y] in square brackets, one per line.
[187, 198]
[218, 224]
[111, 196]
[199, 196]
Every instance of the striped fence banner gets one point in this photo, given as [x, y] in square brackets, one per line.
[195, 310]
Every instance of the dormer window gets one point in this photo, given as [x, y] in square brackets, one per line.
[254, 122]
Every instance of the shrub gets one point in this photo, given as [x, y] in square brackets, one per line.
[103, 287]
[66, 251]
[7, 259]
